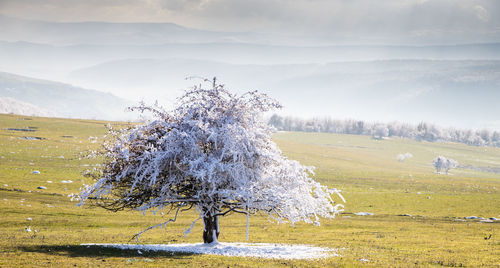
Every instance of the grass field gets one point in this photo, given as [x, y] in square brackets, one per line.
[367, 171]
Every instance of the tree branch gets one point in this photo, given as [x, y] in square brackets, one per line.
[136, 236]
[229, 210]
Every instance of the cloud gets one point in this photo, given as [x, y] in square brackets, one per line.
[389, 19]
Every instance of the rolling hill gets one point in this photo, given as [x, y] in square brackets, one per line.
[12, 106]
[60, 99]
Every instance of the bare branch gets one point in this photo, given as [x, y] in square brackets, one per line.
[136, 236]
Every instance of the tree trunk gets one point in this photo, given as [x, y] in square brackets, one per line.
[211, 229]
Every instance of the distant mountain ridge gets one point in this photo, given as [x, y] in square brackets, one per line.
[56, 62]
[109, 33]
[60, 99]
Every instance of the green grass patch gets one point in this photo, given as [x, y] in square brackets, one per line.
[366, 170]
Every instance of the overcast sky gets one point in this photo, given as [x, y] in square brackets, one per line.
[398, 21]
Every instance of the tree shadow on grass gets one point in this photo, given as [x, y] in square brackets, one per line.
[99, 251]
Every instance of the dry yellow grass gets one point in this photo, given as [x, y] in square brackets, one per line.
[366, 170]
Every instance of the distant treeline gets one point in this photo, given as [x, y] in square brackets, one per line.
[421, 132]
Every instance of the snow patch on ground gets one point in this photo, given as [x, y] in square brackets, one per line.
[363, 214]
[260, 250]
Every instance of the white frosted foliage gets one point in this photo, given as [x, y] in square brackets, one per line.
[442, 162]
[212, 152]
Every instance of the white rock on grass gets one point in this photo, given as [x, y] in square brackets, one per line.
[66, 181]
[261, 250]
[471, 217]
[41, 187]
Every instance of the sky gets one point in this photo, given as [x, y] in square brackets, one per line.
[357, 21]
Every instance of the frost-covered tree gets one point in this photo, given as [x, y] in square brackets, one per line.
[450, 163]
[214, 153]
[276, 121]
[421, 132]
[379, 131]
[438, 163]
[402, 157]
[442, 162]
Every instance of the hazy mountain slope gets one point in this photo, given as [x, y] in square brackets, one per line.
[450, 93]
[159, 77]
[244, 53]
[54, 62]
[63, 99]
[13, 106]
[407, 90]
